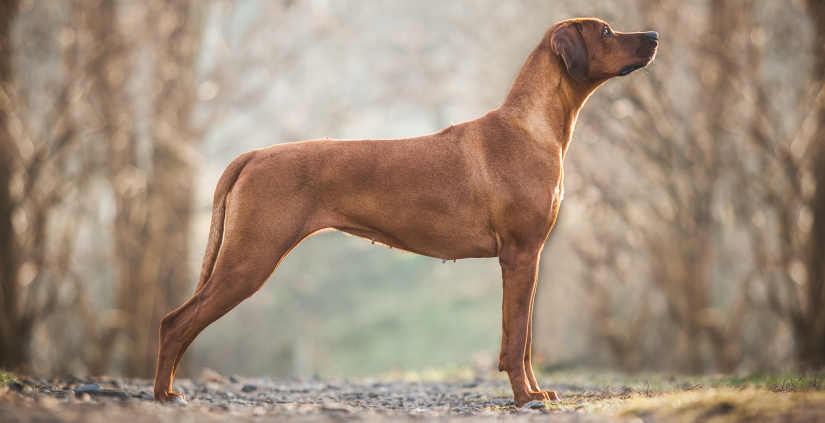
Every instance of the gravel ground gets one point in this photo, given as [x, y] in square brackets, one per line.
[264, 400]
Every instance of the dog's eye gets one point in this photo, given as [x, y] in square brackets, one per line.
[607, 32]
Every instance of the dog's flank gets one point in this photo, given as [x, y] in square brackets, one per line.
[489, 187]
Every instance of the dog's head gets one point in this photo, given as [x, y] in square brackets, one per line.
[593, 52]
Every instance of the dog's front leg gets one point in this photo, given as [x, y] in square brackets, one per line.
[519, 272]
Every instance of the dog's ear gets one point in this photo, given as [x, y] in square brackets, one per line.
[569, 43]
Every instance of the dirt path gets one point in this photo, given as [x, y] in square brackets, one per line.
[263, 400]
[217, 399]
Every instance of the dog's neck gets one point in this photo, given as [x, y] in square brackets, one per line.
[542, 92]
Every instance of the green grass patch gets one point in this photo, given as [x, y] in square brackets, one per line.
[725, 405]
[652, 383]
[6, 377]
[717, 398]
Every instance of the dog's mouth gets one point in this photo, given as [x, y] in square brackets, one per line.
[628, 69]
[648, 56]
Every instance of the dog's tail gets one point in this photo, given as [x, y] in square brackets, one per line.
[213, 245]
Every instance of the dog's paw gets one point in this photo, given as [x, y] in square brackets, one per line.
[178, 399]
[537, 396]
[551, 395]
[172, 398]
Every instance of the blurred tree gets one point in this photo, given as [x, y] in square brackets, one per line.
[178, 26]
[94, 89]
[154, 196]
[50, 171]
[788, 183]
[108, 72]
[11, 342]
[687, 263]
[708, 229]
[812, 349]
[681, 154]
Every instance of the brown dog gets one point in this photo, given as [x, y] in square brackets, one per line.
[489, 187]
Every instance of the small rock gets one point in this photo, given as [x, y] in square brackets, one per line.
[15, 386]
[503, 402]
[87, 388]
[94, 389]
[335, 406]
[209, 375]
[249, 388]
[533, 405]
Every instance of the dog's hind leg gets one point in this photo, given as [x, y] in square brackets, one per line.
[233, 280]
[248, 257]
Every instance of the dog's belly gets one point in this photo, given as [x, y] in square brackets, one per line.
[450, 245]
[446, 223]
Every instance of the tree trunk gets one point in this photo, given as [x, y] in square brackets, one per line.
[812, 350]
[161, 280]
[106, 70]
[727, 19]
[690, 287]
[11, 343]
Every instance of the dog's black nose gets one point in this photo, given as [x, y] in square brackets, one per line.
[652, 35]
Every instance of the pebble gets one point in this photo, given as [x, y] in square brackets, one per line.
[533, 405]
[87, 388]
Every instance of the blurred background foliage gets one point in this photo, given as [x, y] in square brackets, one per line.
[691, 238]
